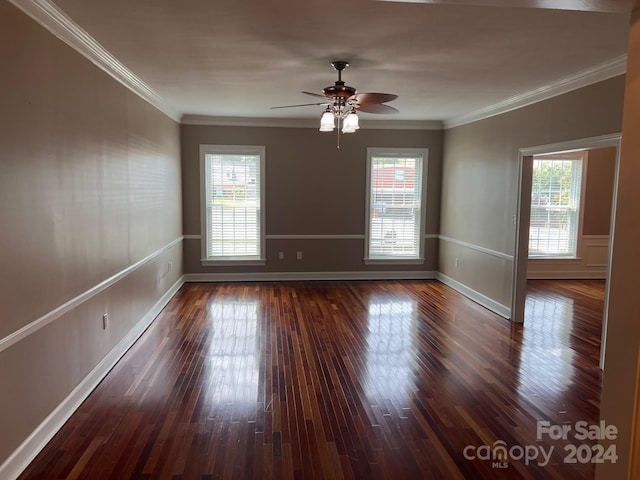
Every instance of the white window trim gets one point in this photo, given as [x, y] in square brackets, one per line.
[398, 152]
[231, 150]
[579, 234]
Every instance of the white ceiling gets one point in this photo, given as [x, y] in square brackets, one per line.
[444, 58]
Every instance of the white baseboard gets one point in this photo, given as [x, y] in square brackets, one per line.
[568, 275]
[477, 297]
[27, 451]
[300, 276]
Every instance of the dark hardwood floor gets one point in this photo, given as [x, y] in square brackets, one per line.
[360, 380]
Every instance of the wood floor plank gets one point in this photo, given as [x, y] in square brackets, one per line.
[340, 380]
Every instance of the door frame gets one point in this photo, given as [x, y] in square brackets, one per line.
[523, 213]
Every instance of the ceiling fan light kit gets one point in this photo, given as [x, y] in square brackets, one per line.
[342, 102]
[327, 121]
[351, 123]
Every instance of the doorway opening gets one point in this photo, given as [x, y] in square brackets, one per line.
[566, 209]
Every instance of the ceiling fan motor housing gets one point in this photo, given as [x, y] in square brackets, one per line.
[339, 90]
[343, 99]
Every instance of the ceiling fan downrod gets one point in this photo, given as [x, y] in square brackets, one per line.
[340, 65]
[339, 91]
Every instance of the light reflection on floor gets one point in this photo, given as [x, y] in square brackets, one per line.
[234, 351]
[390, 363]
[546, 354]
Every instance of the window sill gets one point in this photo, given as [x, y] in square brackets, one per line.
[393, 261]
[556, 259]
[236, 262]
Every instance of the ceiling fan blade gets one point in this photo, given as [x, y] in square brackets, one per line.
[301, 105]
[376, 108]
[314, 94]
[368, 98]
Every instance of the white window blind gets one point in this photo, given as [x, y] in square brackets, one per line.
[555, 207]
[233, 204]
[395, 210]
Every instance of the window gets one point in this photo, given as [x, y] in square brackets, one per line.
[232, 204]
[395, 205]
[555, 206]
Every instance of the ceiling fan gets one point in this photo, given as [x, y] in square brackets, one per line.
[343, 102]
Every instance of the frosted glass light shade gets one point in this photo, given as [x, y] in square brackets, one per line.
[350, 123]
[327, 122]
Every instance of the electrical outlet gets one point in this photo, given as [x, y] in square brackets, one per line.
[169, 267]
[281, 255]
[299, 255]
[105, 321]
[457, 262]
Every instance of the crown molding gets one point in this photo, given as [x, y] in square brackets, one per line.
[52, 18]
[189, 119]
[402, 124]
[603, 71]
[306, 123]
[607, 6]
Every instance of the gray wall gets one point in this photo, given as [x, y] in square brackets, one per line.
[89, 185]
[312, 188]
[480, 179]
[620, 402]
[601, 171]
